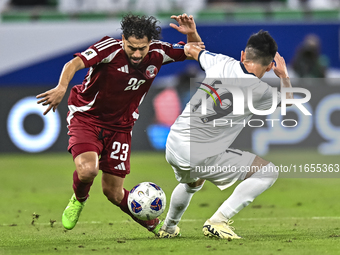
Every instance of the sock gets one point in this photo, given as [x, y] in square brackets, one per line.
[246, 192]
[179, 202]
[148, 224]
[81, 189]
[218, 217]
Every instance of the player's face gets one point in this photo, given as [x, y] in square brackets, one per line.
[136, 49]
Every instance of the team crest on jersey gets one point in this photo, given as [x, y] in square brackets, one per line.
[151, 71]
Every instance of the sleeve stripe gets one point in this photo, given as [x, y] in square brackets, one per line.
[104, 42]
[107, 46]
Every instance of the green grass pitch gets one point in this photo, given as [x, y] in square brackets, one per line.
[295, 216]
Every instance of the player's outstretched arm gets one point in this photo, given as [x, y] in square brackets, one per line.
[186, 25]
[280, 69]
[53, 97]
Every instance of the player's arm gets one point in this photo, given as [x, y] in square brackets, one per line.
[53, 97]
[186, 25]
[280, 69]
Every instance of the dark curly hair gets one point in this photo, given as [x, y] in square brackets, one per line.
[261, 48]
[140, 26]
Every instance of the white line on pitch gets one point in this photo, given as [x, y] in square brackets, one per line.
[193, 220]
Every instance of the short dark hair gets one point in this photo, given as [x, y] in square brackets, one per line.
[261, 48]
[140, 26]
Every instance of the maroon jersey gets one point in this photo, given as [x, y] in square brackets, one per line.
[113, 88]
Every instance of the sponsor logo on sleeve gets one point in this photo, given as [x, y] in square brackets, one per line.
[178, 46]
[89, 54]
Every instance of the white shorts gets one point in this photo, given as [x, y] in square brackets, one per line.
[223, 170]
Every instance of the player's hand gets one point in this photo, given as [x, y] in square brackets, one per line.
[192, 50]
[280, 68]
[186, 24]
[52, 98]
[197, 44]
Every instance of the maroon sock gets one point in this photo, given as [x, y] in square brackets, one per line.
[148, 224]
[81, 189]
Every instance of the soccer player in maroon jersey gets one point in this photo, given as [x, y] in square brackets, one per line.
[103, 109]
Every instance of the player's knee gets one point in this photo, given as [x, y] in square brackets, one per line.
[275, 172]
[271, 171]
[191, 189]
[87, 171]
[269, 174]
[113, 196]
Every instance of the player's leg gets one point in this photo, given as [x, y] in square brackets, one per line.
[114, 191]
[181, 195]
[179, 202]
[85, 146]
[255, 183]
[261, 176]
[86, 170]
[115, 164]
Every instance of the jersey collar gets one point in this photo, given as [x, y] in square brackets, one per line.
[245, 70]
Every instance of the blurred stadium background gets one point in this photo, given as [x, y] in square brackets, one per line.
[37, 37]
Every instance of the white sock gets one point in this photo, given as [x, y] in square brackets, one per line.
[179, 202]
[245, 193]
[218, 217]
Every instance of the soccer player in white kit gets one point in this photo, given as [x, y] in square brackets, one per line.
[197, 147]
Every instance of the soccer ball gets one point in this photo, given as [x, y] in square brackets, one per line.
[146, 201]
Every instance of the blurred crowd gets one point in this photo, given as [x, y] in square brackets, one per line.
[313, 4]
[308, 61]
[146, 6]
[153, 6]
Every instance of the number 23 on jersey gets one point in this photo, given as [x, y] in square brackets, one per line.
[120, 151]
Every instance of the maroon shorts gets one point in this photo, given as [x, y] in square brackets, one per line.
[114, 148]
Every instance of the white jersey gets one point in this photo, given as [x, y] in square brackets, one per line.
[208, 125]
